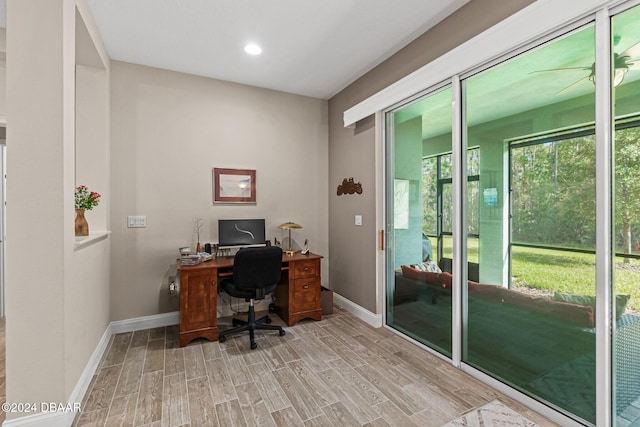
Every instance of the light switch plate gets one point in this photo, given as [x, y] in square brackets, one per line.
[358, 219]
[136, 221]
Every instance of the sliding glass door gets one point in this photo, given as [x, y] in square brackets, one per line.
[626, 218]
[538, 205]
[418, 292]
[517, 215]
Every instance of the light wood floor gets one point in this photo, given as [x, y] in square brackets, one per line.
[336, 372]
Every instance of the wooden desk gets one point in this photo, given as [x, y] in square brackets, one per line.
[296, 297]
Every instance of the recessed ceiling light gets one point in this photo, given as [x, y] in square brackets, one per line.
[253, 49]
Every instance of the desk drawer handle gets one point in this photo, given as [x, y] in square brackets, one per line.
[306, 269]
[306, 286]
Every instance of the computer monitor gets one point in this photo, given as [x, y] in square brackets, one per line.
[236, 233]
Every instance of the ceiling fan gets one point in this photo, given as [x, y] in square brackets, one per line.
[622, 64]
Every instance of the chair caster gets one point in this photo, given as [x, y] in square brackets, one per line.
[272, 308]
[268, 320]
[254, 346]
[282, 332]
[222, 338]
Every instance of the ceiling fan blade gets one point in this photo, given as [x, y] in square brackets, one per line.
[634, 64]
[563, 69]
[573, 86]
[632, 51]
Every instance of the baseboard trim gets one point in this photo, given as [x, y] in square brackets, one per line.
[361, 313]
[89, 371]
[51, 419]
[65, 419]
[145, 322]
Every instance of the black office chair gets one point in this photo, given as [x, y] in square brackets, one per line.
[256, 273]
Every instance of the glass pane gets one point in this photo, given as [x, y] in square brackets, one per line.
[447, 247]
[430, 196]
[446, 166]
[473, 207]
[528, 116]
[626, 215]
[553, 192]
[447, 208]
[473, 162]
[417, 303]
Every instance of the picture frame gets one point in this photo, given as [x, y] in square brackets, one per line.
[234, 185]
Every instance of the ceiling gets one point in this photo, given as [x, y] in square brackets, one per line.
[311, 48]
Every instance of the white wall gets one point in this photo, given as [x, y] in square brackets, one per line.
[35, 306]
[56, 296]
[92, 147]
[87, 275]
[168, 131]
[3, 71]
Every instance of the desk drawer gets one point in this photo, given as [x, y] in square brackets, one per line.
[307, 268]
[306, 294]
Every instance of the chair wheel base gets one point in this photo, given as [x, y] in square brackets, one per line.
[251, 325]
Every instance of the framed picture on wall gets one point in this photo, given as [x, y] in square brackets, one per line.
[234, 185]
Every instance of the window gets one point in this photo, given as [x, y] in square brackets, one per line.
[437, 199]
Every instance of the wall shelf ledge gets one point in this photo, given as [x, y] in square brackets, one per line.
[84, 241]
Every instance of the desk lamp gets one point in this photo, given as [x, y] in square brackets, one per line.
[288, 226]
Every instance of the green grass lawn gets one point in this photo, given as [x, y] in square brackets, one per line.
[562, 271]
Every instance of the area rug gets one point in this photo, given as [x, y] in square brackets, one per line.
[493, 414]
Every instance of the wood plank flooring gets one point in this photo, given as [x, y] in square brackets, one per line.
[336, 372]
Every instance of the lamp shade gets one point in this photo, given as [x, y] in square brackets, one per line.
[289, 225]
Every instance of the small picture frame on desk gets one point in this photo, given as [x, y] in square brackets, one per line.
[234, 185]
